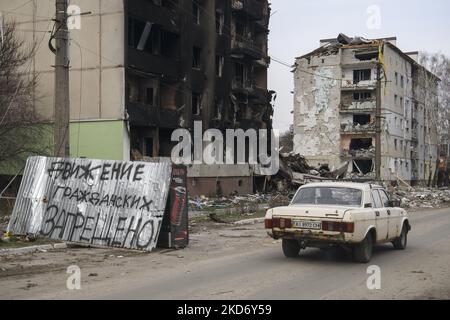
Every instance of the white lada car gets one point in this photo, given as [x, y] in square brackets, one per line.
[353, 215]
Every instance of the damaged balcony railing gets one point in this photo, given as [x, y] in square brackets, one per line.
[359, 153]
[357, 128]
[248, 46]
[240, 84]
[364, 105]
[366, 84]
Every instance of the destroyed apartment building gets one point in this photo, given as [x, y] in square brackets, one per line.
[141, 69]
[367, 103]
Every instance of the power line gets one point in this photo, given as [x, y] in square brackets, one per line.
[14, 13]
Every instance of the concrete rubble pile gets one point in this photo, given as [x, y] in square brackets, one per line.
[205, 203]
[424, 198]
[295, 171]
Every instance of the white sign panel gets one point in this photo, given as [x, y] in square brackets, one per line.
[106, 203]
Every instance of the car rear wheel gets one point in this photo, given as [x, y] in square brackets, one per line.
[362, 253]
[291, 248]
[401, 242]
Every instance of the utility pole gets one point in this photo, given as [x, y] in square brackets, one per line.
[62, 101]
[378, 126]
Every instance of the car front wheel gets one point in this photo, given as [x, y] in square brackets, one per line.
[291, 248]
[362, 253]
[401, 242]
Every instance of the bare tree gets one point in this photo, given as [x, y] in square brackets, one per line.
[21, 130]
[439, 65]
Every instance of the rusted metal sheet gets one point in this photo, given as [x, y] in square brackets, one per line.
[106, 203]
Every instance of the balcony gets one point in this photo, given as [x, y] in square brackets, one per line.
[263, 62]
[253, 9]
[359, 106]
[249, 91]
[359, 154]
[248, 47]
[357, 129]
[141, 115]
[155, 64]
[349, 85]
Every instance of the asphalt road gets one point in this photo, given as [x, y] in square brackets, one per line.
[260, 271]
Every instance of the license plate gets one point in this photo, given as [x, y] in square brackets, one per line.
[310, 225]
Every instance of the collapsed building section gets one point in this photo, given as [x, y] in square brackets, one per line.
[362, 101]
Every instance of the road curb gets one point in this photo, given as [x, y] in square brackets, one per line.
[32, 249]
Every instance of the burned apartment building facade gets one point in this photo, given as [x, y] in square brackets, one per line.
[202, 60]
[337, 118]
[141, 69]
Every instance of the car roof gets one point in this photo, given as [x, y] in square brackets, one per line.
[352, 185]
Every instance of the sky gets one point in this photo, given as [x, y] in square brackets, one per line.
[296, 27]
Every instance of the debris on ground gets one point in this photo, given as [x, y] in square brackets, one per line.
[423, 198]
[205, 203]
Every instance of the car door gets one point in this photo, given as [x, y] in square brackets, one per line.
[393, 215]
[381, 217]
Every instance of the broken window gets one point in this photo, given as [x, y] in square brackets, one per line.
[239, 75]
[363, 166]
[144, 36]
[240, 29]
[366, 56]
[219, 66]
[196, 56]
[196, 104]
[148, 147]
[357, 96]
[196, 11]
[141, 90]
[359, 144]
[169, 44]
[361, 75]
[133, 90]
[135, 29]
[218, 109]
[362, 119]
[149, 93]
[402, 81]
[220, 20]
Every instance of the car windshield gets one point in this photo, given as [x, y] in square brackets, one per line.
[329, 196]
